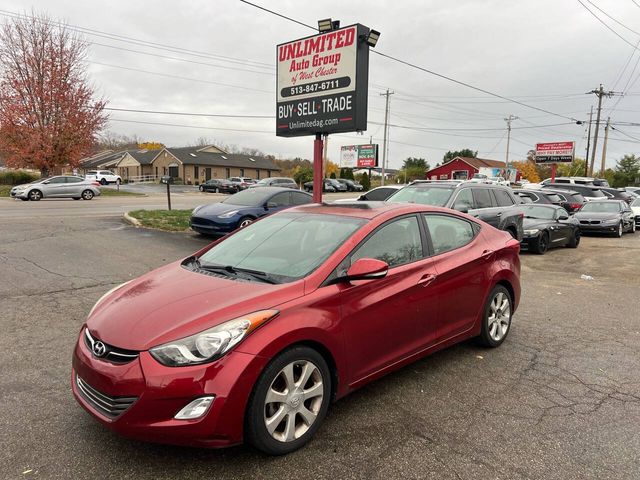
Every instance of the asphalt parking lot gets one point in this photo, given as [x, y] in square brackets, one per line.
[560, 399]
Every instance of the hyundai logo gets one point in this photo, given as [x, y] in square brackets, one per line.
[99, 349]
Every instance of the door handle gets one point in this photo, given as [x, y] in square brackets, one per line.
[427, 279]
[499, 214]
[487, 254]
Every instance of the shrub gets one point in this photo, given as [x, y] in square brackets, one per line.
[17, 177]
[366, 183]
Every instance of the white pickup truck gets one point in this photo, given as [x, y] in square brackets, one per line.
[103, 176]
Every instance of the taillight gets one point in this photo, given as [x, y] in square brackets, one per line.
[575, 206]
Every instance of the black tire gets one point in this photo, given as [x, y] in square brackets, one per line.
[77, 198]
[87, 194]
[215, 190]
[574, 241]
[245, 221]
[201, 188]
[485, 338]
[118, 181]
[512, 232]
[620, 230]
[35, 195]
[24, 199]
[103, 181]
[256, 433]
[542, 244]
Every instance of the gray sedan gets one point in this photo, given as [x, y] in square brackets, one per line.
[62, 186]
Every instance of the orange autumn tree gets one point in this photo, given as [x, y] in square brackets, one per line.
[48, 114]
[527, 169]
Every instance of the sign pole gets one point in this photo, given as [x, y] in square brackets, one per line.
[317, 168]
[553, 172]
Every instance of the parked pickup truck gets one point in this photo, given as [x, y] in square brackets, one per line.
[494, 204]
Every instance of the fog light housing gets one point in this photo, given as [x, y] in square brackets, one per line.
[195, 409]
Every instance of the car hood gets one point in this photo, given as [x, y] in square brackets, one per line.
[25, 185]
[214, 209]
[596, 215]
[173, 302]
[636, 210]
[532, 223]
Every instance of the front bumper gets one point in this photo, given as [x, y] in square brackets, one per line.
[214, 227]
[599, 228]
[637, 220]
[21, 194]
[160, 392]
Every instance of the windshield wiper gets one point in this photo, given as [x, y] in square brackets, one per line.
[254, 274]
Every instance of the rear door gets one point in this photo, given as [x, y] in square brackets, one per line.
[485, 207]
[75, 186]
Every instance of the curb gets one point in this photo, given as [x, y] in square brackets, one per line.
[129, 219]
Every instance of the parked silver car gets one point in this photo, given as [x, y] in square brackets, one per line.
[61, 186]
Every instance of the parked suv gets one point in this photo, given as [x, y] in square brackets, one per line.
[242, 183]
[589, 192]
[103, 176]
[276, 182]
[494, 204]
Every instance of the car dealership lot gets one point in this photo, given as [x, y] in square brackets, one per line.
[559, 399]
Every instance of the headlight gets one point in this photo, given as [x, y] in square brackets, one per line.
[211, 344]
[196, 209]
[105, 296]
[228, 214]
[531, 232]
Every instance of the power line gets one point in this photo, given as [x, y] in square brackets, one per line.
[607, 26]
[190, 114]
[610, 17]
[426, 70]
[189, 126]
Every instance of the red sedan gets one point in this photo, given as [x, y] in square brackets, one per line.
[252, 337]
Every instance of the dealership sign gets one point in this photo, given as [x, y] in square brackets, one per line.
[322, 83]
[359, 156]
[555, 152]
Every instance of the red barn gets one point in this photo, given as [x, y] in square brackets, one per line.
[463, 168]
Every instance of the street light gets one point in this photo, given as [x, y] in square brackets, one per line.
[325, 25]
[372, 38]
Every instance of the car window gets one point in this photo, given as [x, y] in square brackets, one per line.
[74, 179]
[299, 198]
[281, 199]
[554, 197]
[396, 243]
[57, 180]
[448, 233]
[423, 194]
[378, 194]
[562, 180]
[92, 172]
[526, 199]
[482, 197]
[464, 200]
[503, 199]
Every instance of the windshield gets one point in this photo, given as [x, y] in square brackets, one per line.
[537, 211]
[636, 203]
[264, 181]
[601, 207]
[248, 198]
[286, 247]
[595, 193]
[430, 195]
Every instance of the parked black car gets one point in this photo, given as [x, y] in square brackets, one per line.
[548, 226]
[570, 200]
[494, 204]
[615, 194]
[606, 216]
[352, 185]
[218, 185]
[328, 185]
[589, 192]
[243, 208]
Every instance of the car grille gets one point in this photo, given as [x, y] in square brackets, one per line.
[202, 221]
[111, 354]
[112, 407]
[590, 222]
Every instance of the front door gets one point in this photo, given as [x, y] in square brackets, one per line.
[173, 171]
[388, 319]
[207, 174]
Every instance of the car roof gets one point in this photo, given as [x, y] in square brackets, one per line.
[556, 190]
[367, 210]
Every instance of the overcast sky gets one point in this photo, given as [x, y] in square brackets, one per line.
[545, 53]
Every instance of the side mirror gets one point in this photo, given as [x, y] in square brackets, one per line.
[269, 205]
[46, 182]
[367, 269]
[563, 216]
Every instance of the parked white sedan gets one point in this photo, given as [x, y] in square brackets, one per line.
[61, 186]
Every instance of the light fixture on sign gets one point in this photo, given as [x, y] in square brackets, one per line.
[325, 25]
[372, 38]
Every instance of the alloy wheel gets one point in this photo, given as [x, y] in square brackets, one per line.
[620, 230]
[293, 401]
[499, 316]
[245, 222]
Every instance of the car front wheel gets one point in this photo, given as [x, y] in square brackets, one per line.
[103, 181]
[496, 320]
[35, 195]
[620, 230]
[542, 244]
[575, 240]
[245, 221]
[289, 401]
[87, 195]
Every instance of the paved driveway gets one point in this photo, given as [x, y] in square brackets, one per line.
[559, 400]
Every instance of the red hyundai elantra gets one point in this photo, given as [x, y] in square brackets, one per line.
[252, 337]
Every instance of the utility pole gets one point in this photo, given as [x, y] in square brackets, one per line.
[598, 93]
[509, 119]
[386, 128]
[604, 147]
[586, 160]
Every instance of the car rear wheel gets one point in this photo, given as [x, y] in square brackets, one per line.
[245, 221]
[289, 401]
[542, 244]
[497, 317]
[103, 181]
[87, 195]
[35, 195]
[574, 241]
[201, 188]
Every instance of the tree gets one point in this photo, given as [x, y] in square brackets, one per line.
[302, 174]
[151, 145]
[465, 152]
[627, 171]
[331, 169]
[346, 173]
[48, 114]
[413, 169]
[365, 181]
[527, 170]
